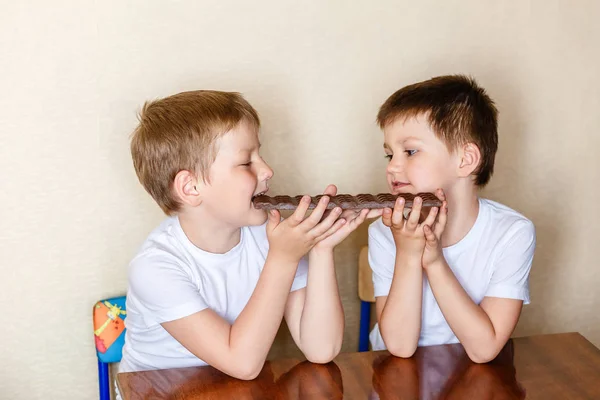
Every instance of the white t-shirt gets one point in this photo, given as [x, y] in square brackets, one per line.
[493, 260]
[170, 278]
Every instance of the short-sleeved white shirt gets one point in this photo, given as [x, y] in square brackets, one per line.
[492, 260]
[170, 278]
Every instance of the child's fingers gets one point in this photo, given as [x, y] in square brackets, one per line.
[377, 212]
[440, 194]
[317, 213]
[433, 211]
[274, 217]
[298, 216]
[431, 239]
[386, 217]
[359, 219]
[349, 215]
[330, 190]
[398, 214]
[326, 223]
[333, 229]
[440, 225]
[415, 213]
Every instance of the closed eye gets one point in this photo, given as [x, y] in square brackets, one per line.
[389, 156]
[247, 164]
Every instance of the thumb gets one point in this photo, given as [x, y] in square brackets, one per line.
[375, 213]
[430, 236]
[274, 218]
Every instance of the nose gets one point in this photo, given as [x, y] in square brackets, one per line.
[265, 172]
[395, 165]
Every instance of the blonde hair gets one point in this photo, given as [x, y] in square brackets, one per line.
[178, 133]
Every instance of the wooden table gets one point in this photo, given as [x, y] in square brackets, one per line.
[546, 367]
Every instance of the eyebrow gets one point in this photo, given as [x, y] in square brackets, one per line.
[413, 138]
[249, 149]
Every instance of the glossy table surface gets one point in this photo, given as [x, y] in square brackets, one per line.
[560, 366]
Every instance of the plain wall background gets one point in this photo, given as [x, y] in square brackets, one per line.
[74, 73]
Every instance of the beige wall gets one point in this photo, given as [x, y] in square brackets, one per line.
[73, 74]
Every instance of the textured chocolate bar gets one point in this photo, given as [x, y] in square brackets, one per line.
[345, 201]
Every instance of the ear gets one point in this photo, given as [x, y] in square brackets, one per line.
[186, 187]
[470, 158]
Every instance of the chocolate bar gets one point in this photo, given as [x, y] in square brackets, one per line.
[346, 201]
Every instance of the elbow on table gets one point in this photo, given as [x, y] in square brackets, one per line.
[247, 371]
[402, 351]
[482, 356]
[324, 357]
[399, 349]
[398, 345]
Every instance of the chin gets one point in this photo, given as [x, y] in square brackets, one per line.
[257, 217]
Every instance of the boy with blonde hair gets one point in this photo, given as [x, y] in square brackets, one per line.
[459, 273]
[211, 284]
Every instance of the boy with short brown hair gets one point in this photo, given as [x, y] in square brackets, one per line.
[458, 273]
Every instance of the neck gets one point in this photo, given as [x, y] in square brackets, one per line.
[208, 233]
[463, 208]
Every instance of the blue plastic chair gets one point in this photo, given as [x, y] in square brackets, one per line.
[109, 335]
[367, 298]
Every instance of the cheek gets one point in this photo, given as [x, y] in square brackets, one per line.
[424, 172]
[418, 167]
[246, 183]
[446, 166]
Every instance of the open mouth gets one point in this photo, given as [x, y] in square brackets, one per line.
[259, 194]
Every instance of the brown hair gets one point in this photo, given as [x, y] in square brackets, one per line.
[178, 133]
[457, 109]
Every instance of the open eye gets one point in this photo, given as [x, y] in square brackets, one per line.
[410, 152]
[389, 156]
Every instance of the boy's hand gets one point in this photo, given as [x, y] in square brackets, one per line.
[293, 237]
[353, 220]
[433, 234]
[408, 233]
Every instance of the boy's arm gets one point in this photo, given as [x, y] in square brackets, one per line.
[314, 314]
[483, 329]
[240, 349]
[399, 313]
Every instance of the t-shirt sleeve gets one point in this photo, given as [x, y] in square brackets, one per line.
[382, 258]
[301, 275]
[164, 289]
[510, 278]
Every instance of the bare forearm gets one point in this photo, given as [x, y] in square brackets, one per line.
[254, 330]
[468, 321]
[400, 321]
[240, 349]
[322, 320]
